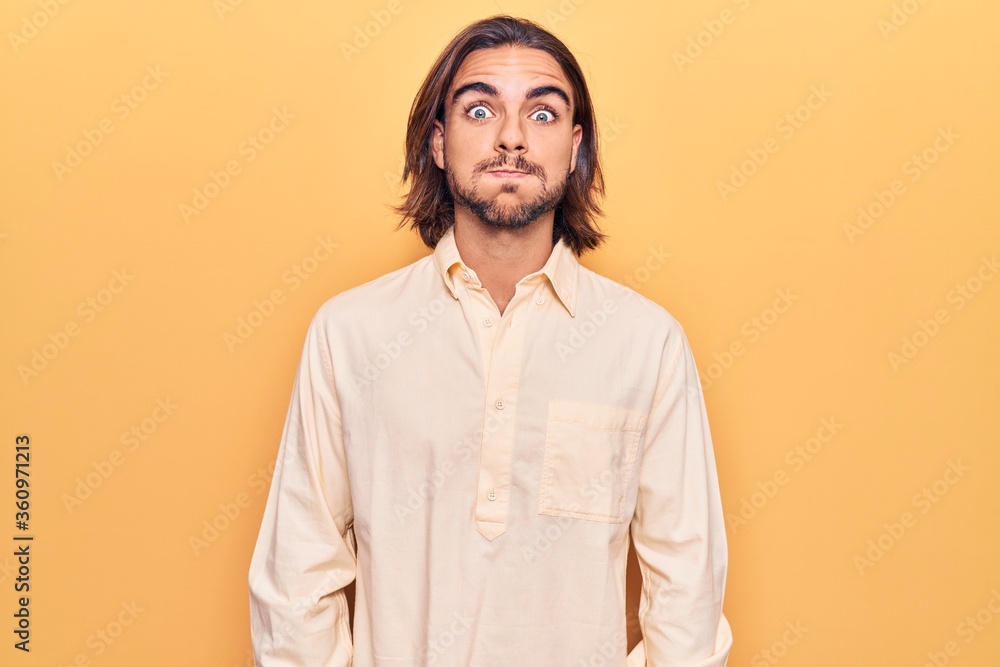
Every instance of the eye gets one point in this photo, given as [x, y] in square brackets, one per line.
[548, 116]
[479, 111]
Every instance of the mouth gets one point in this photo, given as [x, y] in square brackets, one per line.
[508, 173]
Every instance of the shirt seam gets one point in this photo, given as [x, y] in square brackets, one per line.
[325, 355]
[661, 384]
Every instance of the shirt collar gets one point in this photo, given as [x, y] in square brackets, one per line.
[561, 269]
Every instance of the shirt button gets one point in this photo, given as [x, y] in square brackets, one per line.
[539, 299]
[488, 322]
[499, 404]
[465, 275]
[492, 495]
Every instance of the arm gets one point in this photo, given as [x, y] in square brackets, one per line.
[678, 528]
[305, 554]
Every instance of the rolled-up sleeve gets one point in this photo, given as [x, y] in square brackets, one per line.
[305, 554]
[678, 527]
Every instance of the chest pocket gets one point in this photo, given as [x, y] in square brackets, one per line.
[590, 450]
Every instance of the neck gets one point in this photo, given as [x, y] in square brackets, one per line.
[499, 256]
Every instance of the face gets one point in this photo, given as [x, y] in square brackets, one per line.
[506, 110]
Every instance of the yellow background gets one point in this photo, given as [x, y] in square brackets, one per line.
[894, 77]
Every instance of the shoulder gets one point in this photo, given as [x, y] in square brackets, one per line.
[379, 293]
[649, 317]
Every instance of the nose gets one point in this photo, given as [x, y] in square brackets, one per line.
[511, 137]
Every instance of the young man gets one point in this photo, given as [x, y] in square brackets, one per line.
[476, 437]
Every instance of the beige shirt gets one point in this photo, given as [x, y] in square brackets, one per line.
[480, 476]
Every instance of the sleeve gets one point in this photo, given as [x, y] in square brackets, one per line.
[305, 554]
[678, 528]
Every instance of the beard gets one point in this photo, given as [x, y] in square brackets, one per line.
[509, 216]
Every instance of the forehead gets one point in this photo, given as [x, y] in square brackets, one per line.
[512, 69]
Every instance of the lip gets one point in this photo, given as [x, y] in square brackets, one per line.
[503, 173]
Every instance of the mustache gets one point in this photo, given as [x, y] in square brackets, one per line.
[518, 164]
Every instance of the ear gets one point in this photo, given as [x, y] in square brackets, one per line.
[577, 137]
[437, 144]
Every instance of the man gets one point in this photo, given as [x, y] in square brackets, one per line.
[476, 437]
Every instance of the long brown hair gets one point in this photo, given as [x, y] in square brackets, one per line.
[429, 203]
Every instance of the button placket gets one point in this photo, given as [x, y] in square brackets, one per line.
[502, 378]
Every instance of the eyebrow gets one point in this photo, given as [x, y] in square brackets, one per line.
[491, 91]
